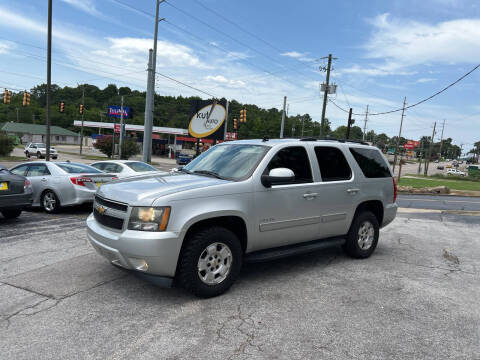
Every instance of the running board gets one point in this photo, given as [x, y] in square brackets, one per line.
[301, 248]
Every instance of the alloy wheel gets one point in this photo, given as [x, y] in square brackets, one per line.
[366, 235]
[214, 263]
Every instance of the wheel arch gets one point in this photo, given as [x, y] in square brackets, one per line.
[374, 206]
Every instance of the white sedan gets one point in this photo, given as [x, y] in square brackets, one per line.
[124, 168]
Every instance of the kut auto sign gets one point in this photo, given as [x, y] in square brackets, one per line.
[208, 119]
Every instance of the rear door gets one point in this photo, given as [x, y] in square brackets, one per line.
[40, 177]
[11, 183]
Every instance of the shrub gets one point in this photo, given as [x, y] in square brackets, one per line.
[129, 147]
[7, 144]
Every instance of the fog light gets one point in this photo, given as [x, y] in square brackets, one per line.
[139, 264]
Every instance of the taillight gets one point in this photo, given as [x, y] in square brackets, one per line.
[80, 180]
[394, 189]
[27, 184]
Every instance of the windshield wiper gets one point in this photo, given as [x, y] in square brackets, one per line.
[185, 170]
[208, 172]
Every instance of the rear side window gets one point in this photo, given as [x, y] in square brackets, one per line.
[371, 162]
[294, 158]
[332, 163]
[76, 168]
[140, 166]
[20, 170]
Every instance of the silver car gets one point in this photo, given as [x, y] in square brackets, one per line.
[249, 200]
[57, 184]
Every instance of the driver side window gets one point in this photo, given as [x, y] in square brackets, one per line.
[294, 158]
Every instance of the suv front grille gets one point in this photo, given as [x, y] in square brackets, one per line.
[111, 204]
[108, 221]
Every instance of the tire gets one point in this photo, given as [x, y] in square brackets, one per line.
[50, 202]
[11, 214]
[362, 238]
[215, 241]
[28, 154]
[39, 155]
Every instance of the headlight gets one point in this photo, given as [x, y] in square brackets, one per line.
[149, 218]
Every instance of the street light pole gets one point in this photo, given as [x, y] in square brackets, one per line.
[49, 78]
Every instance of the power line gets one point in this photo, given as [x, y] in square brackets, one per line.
[187, 85]
[417, 103]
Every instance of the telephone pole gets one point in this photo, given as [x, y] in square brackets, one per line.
[148, 124]
[325, 93]
[399, 133]
[83, 110]
[121, 131]
[427, 159]
[283, 117]
[365, 124]
[49, 78]
[441, 138]
[349, 123]
[303, 125]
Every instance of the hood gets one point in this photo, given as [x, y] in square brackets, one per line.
[144, 190]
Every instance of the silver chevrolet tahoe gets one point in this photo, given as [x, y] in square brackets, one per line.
[249, 200]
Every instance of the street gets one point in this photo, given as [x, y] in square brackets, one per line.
[416, 297]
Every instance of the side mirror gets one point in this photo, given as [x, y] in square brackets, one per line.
[278, 176]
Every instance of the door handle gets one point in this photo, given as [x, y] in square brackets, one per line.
[44, 180]
[309, 195]
[352, 191]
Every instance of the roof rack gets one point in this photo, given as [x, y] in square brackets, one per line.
[334, 139]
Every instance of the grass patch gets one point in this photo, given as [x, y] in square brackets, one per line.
[454, 184]
[13, 158]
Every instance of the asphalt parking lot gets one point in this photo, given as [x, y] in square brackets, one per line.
[416, 297]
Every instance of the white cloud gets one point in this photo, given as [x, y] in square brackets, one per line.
[425, 80]
[5, 47]
[372, 70]
[223, 80]
[411, 42]
[297, 55]
[87, 6]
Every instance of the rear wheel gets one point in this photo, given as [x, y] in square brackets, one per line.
[210, 262]
[50, 202]
[11, 214]
[28, 154]
[39, 155]
[362, 238]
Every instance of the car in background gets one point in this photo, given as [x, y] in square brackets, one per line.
[15, 193]
[440, 167]
[183, 159]
[61, 184]
[455, 172]
[39, 150]
[124, 168]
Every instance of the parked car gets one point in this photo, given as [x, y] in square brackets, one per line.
[183, 159]
[58, 184]
[448, 166]
[15, 193]
[436, 161]
[440, 167]
[455, 172]
[39, 150]
[124, 168]
[249, 200]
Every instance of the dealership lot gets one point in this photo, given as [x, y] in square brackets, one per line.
[416, 297]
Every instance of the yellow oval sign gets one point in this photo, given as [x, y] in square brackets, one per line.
[204, 124]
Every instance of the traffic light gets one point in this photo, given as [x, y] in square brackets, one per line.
[80, 109]
[243, 115]
[235, 124]
[61, 107]
[7, 96]
[26, 98]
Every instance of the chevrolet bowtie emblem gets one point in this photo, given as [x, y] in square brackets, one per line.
[101, 210]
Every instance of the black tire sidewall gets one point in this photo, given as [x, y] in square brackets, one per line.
[351, 246]
[11, 214]
[196, 244]
[57, 202]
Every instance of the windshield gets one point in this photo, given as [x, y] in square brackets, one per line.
[76, 168]
[233, 162]
[140, 166]
[39, 145]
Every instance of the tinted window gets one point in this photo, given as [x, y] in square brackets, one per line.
[99, 166]
[332, 163]
[108, 167]
[371, 162]
[294, 158]
[20, 170]
[140, 166]
[38, 170]
[76, 168]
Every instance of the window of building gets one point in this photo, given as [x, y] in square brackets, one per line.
[332, 163]
[294, 158]
[372, 162]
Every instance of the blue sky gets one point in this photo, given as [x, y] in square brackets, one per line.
[386, 50]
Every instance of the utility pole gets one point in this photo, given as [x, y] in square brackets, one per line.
[226, 124]
[148, 124]
[441, 138]
[283, 117]
[365, 123]
[303, 125]
[49, 77]
[399, 134]
[17, 114]
[427, 160]
[420, 162]
[83, 110]
[349, 124]
[121, 131]
[325, 94]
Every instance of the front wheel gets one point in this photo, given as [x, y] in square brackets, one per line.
[28, 154]
[39, 155]
[210, 262]
[362, 237]
[50, 202]
[11, 214]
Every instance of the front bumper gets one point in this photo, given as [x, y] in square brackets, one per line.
[389, 214]
[130, 249]
[16, 201]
